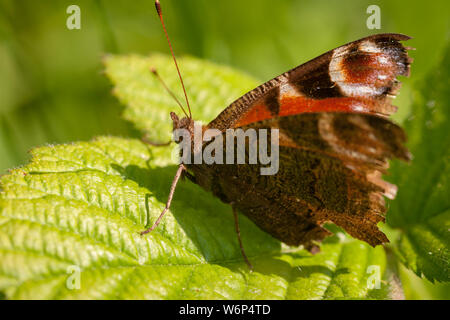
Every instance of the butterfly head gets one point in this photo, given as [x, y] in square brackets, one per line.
[183, 123]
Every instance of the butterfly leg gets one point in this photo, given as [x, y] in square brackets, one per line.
[177, 177]
[189, 176]
[236, 224]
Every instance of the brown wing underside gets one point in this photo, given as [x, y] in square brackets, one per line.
[335, 142]
[359, 76]
[330, 170]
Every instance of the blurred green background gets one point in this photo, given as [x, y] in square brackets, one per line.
[52, 89]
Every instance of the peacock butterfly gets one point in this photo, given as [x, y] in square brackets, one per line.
[334, 140]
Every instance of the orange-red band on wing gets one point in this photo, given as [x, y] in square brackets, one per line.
[257, 113]
[292, 105]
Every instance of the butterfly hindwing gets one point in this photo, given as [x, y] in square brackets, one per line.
[330, 167]
[336, 161]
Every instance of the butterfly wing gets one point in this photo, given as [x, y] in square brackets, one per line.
[333, 163]
[357, 77]
[335, 143]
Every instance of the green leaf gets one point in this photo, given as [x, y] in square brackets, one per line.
[422, 208]
[82, 206]
[148, 104]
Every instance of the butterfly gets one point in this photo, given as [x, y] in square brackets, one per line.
[335, 140]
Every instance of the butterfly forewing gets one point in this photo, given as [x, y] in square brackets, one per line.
[357, 77]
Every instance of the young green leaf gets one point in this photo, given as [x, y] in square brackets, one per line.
[421, 210]
[70, 222]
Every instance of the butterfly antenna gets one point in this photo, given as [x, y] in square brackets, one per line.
[156, 74]
[159, 11]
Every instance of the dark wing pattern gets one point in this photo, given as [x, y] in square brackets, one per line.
[359, 76]
[329, 170]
